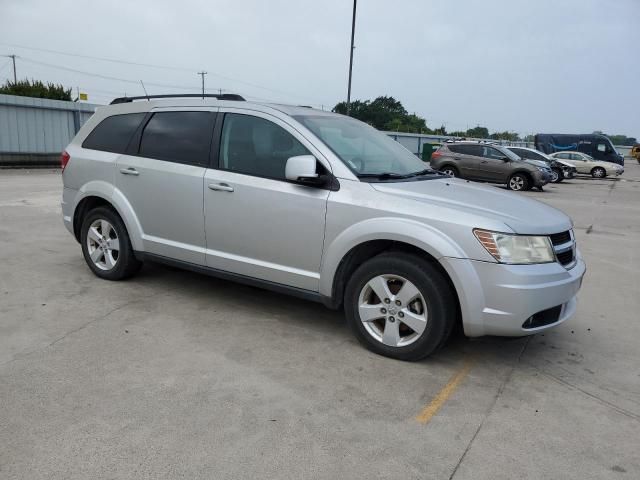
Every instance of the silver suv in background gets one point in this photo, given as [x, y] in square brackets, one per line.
[486, 162]
[320, 206]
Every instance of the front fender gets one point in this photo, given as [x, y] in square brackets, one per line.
[109, 193]
[418, 234]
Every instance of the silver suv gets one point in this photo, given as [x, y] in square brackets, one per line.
[320, 206]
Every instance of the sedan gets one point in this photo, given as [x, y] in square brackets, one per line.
[588, 165]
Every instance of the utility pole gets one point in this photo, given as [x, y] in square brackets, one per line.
[13, 57]
[353, 31]
[202, 74]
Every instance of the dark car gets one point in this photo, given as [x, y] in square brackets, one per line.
[559, 169]
[486, 162]
[593, 144]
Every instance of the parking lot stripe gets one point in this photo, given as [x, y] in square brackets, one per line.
[443, 395]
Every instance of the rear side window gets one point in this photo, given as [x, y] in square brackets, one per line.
[466, 149]
[181, 137]
[113, 133]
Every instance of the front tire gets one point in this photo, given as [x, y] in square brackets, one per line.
[106, 246]
[556, 175]
[518, 182]
[449, 170]
[400, 306]
[598, 172]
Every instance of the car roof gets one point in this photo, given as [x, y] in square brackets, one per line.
[141, 105]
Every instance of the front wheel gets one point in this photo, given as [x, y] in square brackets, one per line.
[399, 305]
[518, 182]
[451, 171]
[556, 175]
[598, 172]
[106, 246]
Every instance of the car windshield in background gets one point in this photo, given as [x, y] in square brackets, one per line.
[367, 152]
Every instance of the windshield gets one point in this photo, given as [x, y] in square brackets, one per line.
[365, 150]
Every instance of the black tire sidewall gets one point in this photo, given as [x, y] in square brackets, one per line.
[127, 262]
[440, 301]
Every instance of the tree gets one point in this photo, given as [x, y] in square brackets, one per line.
[37, 89]
[384, 113]
[478, 132]
[510, 136]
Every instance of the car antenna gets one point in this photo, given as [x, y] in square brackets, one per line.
[145, 91]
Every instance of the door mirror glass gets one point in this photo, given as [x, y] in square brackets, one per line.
[302, 168]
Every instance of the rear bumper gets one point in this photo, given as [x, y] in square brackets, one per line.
[68, 206]
[498, 299]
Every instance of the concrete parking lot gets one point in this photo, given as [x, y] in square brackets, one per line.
[177, 375]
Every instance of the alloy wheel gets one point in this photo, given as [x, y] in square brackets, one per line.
[392, 310]
[554, 176]
[516, 183]
[103, 245]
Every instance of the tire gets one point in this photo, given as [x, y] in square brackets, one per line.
[518, 182]
[449, 170]
[113, 258]
[598, 172]
[558, 176]
[427, 302]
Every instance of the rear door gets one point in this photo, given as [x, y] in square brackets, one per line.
[162, 179]
[465, 157]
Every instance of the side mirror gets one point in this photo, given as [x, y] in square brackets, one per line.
[302, 169]
[505, 159]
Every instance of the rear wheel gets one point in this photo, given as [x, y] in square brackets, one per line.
[106, 246]
[450, 170]
[518, 182]
[400, 306]
[598, 172]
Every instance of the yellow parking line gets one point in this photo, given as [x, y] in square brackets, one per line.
[443, 395]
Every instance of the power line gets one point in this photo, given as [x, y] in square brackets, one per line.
[127, 62]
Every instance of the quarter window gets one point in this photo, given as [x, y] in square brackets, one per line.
[113, 133]
[256, 146]
[181, 137]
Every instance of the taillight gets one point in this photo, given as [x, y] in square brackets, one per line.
[64, 159]
[436, 154]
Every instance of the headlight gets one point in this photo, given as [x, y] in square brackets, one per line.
[516, 249]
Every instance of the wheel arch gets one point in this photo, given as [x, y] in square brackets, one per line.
[93, 196]
[350, 250]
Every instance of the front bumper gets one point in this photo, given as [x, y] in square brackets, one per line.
[569, 172]
[497, 299]
[540, 178]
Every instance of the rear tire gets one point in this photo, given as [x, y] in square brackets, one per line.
[518, 182]
[598, 172]
[449, 170]
[416, 315]
[106, 246]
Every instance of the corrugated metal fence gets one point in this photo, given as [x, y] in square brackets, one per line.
[32, 129]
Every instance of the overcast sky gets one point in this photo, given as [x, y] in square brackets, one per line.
[528, 66]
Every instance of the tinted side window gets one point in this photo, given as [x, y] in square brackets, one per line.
[181, 137]
[113, 133]
[490, 152]
[256, 146]
[563, 156]
[456, 148]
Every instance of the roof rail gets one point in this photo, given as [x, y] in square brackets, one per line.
[224, 96]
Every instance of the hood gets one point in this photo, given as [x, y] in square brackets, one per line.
[563, 163]
[537, 163]
[519, 213]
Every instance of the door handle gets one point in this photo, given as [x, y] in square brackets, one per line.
[129, 171]
[221, 187]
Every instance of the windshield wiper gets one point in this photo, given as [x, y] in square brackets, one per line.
[382, 176]
[427, 171]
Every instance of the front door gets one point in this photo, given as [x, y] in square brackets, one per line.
[493, 167]
[162, 181]
[257, 223]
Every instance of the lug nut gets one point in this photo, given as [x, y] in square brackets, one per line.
[391, 319]
[386, 300]
[383, 310]
[398, 302]
[400, 314]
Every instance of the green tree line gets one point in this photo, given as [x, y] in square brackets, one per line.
[37, 89]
